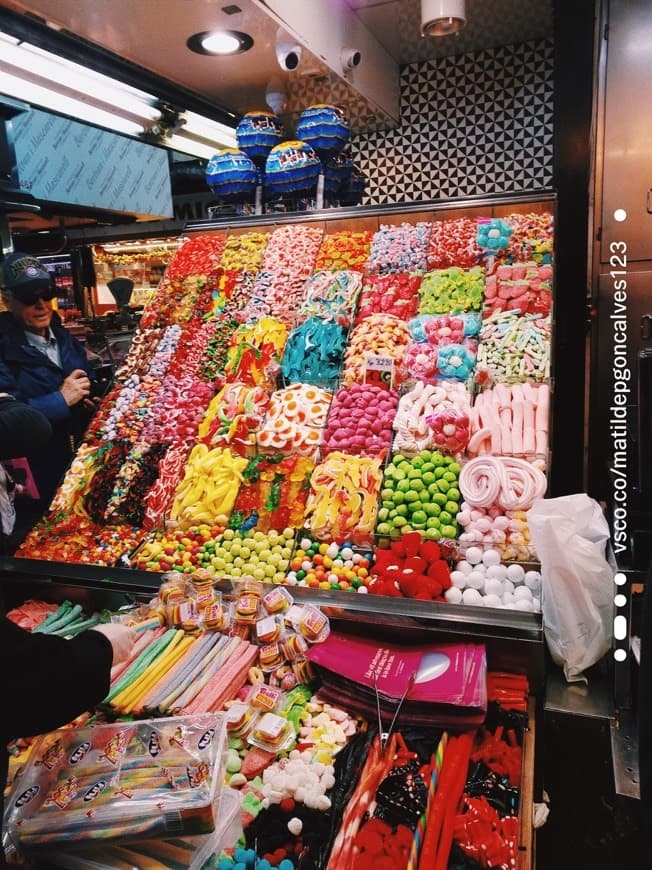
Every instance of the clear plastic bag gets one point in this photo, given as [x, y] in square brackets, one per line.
[571, 536]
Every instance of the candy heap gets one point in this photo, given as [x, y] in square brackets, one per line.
[245, 405]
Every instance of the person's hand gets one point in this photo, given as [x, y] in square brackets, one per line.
[121, 638]
[76, 387]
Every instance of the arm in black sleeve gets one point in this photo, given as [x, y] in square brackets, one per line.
[23, 430]
[48, 681]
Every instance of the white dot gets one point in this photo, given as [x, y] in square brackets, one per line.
[620, 579]
[620, 628]
[620, 600]
[620, 655]
[620, 215]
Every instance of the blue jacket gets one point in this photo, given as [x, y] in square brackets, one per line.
[31, 377]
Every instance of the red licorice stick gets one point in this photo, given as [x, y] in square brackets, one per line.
[464, 747]
[430, 844]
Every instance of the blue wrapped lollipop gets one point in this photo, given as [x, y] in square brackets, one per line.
[292, 169]
[257, 133]
[337, 173]
[325, 128]
[232, 176]
[353, 191]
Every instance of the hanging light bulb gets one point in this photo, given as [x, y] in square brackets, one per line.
[442, 17]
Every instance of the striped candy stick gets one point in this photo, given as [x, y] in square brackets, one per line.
[436, 764]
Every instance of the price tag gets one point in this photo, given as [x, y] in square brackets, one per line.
[379, 370]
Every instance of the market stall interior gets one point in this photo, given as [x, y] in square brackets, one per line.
[326, 429]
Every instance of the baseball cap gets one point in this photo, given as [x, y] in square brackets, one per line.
[22, 274]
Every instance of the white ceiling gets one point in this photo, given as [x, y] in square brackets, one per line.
[153, 34]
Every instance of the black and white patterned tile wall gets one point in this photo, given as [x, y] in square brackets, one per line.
[476, 123]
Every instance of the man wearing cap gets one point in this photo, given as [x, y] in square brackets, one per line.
[42, 364]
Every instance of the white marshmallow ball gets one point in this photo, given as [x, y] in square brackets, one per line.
[464, 566]
[458, 579]
[524, 604]
[532, 580]
[492, 601]
[473, 555]
[508, 586]
[508, 599]
[453, 595]
[491, 557]
[475, 580]
[522, 593]
[472, 596]
[493, 587]
[515, 573]
[498, 572]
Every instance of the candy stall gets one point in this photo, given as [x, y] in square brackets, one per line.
[308, 491]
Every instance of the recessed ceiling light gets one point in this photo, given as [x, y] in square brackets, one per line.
[220, 42]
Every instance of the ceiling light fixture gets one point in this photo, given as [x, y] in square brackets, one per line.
[64, 78]
[220, 42]
[442, 17]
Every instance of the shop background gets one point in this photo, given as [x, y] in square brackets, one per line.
[473, 124]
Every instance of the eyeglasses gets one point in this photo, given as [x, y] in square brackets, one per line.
[33, 297]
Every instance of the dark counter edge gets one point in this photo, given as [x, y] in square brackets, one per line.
[361, 211]
[476, 622]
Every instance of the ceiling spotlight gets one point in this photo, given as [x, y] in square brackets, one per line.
[442, 17]
[220, 42]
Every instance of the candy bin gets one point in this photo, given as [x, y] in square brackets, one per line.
[216, 340]
[273, 494]
[531, 237]
[380, 335]
[480, 577]
[158, 500]
[415, 406]
[293, 249]
[453, 243]
[329, 565]
[244, 252]
[513, 348]
[421, 494]
[177, 408]
[332, 295]
[344, 250]
[233, 418]
[360, 421]
[411, 567]
[498, 491]
[452, 290]
[275, 294]
[255, 352]
[314, 353]
[183, 550]
[209, 488]
[343, 500]
[295, 419]
[254, 554]
[522, 287]
[399, 248]
[493, 234]
[77, 539]
[395, 293]
[511, 421]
